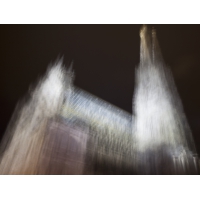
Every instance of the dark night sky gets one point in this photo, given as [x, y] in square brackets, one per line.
[105, 57]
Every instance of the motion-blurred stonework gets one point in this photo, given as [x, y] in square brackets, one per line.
[62, 129]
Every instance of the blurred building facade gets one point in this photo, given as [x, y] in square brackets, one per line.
[63, 129]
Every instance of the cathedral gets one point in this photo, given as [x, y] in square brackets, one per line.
[63, 130]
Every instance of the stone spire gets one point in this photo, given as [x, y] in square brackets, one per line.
[160, 131]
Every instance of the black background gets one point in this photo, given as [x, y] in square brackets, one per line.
[104, 60]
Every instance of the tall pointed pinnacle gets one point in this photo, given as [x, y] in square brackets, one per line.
[145, 46]
[149, 47]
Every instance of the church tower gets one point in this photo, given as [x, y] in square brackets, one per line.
[163, 140]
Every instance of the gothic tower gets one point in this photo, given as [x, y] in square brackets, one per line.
[163, 140]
